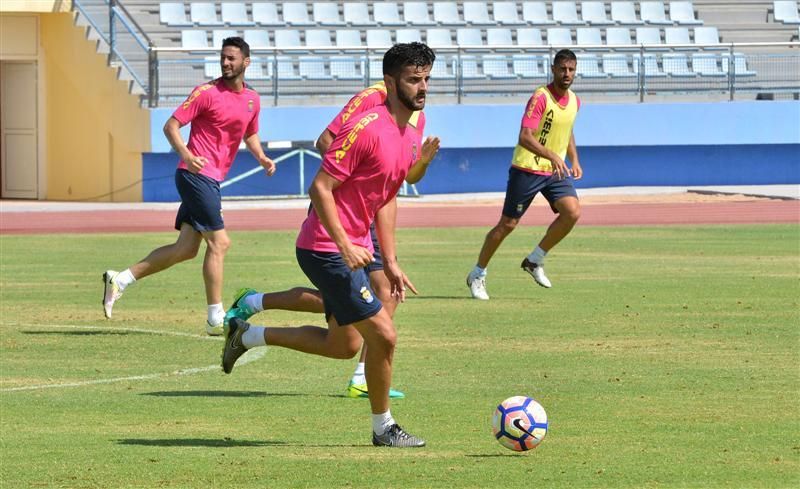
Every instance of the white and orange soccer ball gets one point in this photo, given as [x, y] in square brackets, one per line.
[519, 423]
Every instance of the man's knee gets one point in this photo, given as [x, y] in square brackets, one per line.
[571, 210]
[220, 244]
[186, 251]
[506, 226]
[346, 349]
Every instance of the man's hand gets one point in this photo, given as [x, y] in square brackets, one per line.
[429, 149]
[356, 257]
[577, 171]
[560, 169]
[268, 164]
[398, 280]
[195, 163]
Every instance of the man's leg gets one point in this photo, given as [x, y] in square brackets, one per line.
[217, 245]
[476, 280]
[184, 248]
[569, 210]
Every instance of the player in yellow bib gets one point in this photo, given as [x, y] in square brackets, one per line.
[537, 165]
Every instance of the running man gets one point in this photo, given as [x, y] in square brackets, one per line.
[249, 302]
[358, 180]
[222, 112]
[537, 165]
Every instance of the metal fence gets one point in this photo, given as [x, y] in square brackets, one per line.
[165, 75]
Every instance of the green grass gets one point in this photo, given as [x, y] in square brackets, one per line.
[665, 357]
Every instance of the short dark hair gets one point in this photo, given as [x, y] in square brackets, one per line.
[407, 54]
[237, 42]
[564, 54]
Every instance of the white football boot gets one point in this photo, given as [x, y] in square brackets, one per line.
[477, 286]
[537, 272]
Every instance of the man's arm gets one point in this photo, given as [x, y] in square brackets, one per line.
[429, 149]
[527, 139]
[172, 130]
[385, 223]
[253, 144]
[321, 194]
[572, 154]
[324, 141]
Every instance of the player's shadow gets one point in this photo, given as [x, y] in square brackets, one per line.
[197, 442]
[80, 333]
[220, 394]
[493, 455]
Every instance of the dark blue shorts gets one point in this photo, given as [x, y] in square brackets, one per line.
[346, 294]
[523, 186]
[201, 202]
[377, 265]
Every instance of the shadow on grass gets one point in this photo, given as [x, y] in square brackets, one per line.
[221, 394]
[494, 455]
[196, 442]
[82, 333]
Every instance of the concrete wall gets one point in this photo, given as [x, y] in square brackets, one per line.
[726, 143]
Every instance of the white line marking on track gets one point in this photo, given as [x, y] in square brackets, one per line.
[248, 357]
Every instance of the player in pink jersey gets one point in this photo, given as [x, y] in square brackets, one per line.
[357, 183]
[222, 113]
[248, 302]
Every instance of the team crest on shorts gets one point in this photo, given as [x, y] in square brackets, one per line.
[366, 295]
[519, 207]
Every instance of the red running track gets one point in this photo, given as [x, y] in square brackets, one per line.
[117, 221]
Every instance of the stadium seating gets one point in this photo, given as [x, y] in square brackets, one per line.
[616, 65]
[469, 68]
[505, 13]
[594, 13]
[286, 69]
[706, 35]
[683, 13]
[443, 68]
[467, 36]
[356, 14]
[648, 35]
[651, 68]
[535, 13]
[235, 14]
[408, 35]
[559, 36]
[786, 12]
[624, 13]
[194, 39]
[416, 13]
[529, 36]
[446, 14]
[173, 14]
[439, 37]
[218, 35]
[205, 14]
[318, 38]
[707, 64]
[618, 36]
[257, 38]
[348, 37]
[477, 13]
[296, 14]
[495, 66]
[346, 68]
[312, 68]
[676, 64]
[589, 35]
[387, 14]
[327, 14]
[566, 13]
[499, 36]
[653, 13]
[588, 66]
[528, 66]
[739, 65]
[379, 38]
[287, 38]
[266, 14]
[677, 35]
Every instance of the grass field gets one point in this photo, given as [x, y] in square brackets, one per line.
[665, 357]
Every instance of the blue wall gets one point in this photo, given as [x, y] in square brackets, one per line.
[725, 143]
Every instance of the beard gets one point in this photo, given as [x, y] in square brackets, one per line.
[234, 73]
[409, 101]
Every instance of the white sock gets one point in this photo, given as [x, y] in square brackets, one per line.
[478, 272]
[537, 256]
[254, 337]
[255, 302]
[216, 313]
[358, 375]
[124, 279]
[382, 422]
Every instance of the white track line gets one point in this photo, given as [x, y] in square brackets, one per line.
[251, 356]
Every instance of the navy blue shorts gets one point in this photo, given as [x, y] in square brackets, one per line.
[346, 294]
[201, 202]
[377, 265]
[523, 186]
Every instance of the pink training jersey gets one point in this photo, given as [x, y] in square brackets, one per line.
[531, 118]
[371, 156]
[220, 119]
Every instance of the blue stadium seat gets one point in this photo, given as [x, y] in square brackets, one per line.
[443, 68]
[651, 68]
[318, 38]
[194, 39]
[589, 66]
[559, 36]
[529, 36]
[313, 68]
[235, 14]
[677, 64]
[786, 12]
[683, 13]
[653, 13]
[439, 37]
[408, 35]
[618, 36]
[594, 13]
[257, 38]
[346, 68]
[535, 13]
[287, 38]
[446, 13]
[649, 35]
[707, 64]
[624, 13]
[348, 37]
[495, 66]
[286, 69]
[266, 14]
[677, 35]
[469, 68]
[566, 13]
[739, 65]
[379, 38]
[356, 14]
[416, 13]
[499, 36]
[296, 14]
[376, 69]
[467, 36]
[505, 13]
[259, 69]
[173, 14]
[706, 36]
[327, 14]
[528, 66]
[387, 14]
[218, 35]
[204, 14]
[477, 13]
[589, 35]
[211, 67]
[616, 65]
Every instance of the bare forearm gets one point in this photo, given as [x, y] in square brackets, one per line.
[386, 222]
[172, 131]
[572, 151]
[325, 207]
[253, 144]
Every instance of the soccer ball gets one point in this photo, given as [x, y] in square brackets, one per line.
[519, 423]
